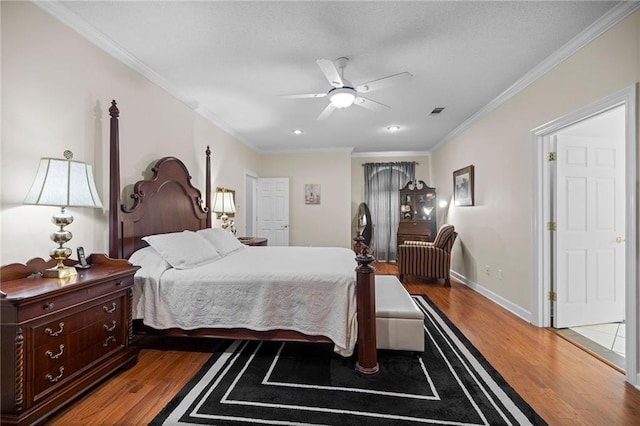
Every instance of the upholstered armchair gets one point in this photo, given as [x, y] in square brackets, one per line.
[428, 260]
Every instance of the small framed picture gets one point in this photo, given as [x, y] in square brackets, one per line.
[312, 193]
[463, 191]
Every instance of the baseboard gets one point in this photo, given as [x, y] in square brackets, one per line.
[495, 298]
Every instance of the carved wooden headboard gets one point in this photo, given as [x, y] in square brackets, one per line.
[167, 202]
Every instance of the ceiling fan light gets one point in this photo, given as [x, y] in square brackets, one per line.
[342, 98]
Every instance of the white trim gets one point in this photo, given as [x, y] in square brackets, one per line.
[540, 271]
[309, 151]
[391, 154]
[593, 31]
[495, 298]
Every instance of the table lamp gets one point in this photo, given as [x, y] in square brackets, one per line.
[63, 183]
[222, 205]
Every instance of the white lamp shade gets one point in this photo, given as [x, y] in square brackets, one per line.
[63, 183]
[224, 203]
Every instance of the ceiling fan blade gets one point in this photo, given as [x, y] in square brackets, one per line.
[308, 95]
[381, 83]
[330, 71]
[326, 112]
[369, 104]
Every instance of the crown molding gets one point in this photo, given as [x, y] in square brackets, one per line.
[588, 35]
[378, 154]
[309, 151]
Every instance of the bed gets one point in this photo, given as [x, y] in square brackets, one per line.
[227, 288]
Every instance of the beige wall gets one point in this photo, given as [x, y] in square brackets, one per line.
[56, 90]
[324, 224]
[497, 231]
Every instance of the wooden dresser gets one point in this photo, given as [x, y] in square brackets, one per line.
[417, 213]
[61, 337]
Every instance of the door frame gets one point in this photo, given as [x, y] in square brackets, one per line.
[250, 200]
[541, 245]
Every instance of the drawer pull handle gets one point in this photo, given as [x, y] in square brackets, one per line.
[112, 310]
[113, 326]
[119, 284]
[52, 379]
[48, 306]
[56, 356]
[106, 342]
[52, 333]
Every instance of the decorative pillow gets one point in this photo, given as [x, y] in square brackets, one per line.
[222, 240]
[183, 250]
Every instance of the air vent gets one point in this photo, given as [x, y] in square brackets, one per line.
[437, 111]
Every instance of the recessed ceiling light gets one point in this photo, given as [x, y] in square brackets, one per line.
[393, 128]
[297, 132]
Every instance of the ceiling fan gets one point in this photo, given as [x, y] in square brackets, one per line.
[344, 94]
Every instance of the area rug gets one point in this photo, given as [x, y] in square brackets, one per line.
[450, 383]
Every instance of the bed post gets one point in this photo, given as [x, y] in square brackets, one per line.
[207, 186]
[115, 251]
[366, 300]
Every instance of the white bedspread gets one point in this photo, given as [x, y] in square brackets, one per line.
[306, 289]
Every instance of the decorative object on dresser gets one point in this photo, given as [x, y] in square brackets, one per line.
[223, 205]
[63, 183]
[60, 337]
[417, 213]
[463, 186]
[254, 241]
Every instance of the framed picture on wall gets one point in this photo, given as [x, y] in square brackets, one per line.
[312, 193]
[463, 191]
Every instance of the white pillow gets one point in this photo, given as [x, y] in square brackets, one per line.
[222, 240]
[149, 258]
[183, 250]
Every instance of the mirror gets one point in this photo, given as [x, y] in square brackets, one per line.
[364, 225]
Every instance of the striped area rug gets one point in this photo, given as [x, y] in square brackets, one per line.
[274, 383]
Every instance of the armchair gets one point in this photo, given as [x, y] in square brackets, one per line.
[428, 260]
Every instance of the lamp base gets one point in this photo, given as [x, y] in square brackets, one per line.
[55, 272]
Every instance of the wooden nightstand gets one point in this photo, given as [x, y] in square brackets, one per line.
[254, 241]
[61, 337]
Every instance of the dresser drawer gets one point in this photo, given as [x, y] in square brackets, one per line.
[62, 351]
[58, 372]
[104, 312]
[61, 301]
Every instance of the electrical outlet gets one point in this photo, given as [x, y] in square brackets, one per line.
[488, 270]
[500, 274]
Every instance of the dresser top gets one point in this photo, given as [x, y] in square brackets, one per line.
[20, 282]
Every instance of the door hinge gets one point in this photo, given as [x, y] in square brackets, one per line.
[552, 226]
[551, 156]
[552, 296]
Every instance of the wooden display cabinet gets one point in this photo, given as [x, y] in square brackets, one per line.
[417, 213]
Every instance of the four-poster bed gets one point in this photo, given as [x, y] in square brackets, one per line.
[169, 203]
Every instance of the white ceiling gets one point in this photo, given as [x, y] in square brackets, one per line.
[231, 61]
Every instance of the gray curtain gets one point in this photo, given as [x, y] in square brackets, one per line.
[382, 183]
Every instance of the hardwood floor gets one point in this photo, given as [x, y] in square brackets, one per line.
[564, 384]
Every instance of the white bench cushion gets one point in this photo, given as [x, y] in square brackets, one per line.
[399, 322]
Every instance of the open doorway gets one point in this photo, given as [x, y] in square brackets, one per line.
[587, 180]
[552, 257]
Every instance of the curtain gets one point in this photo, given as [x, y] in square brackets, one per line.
[382, 183]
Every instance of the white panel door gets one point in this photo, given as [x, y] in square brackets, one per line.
[273, 210]
[590, 220]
